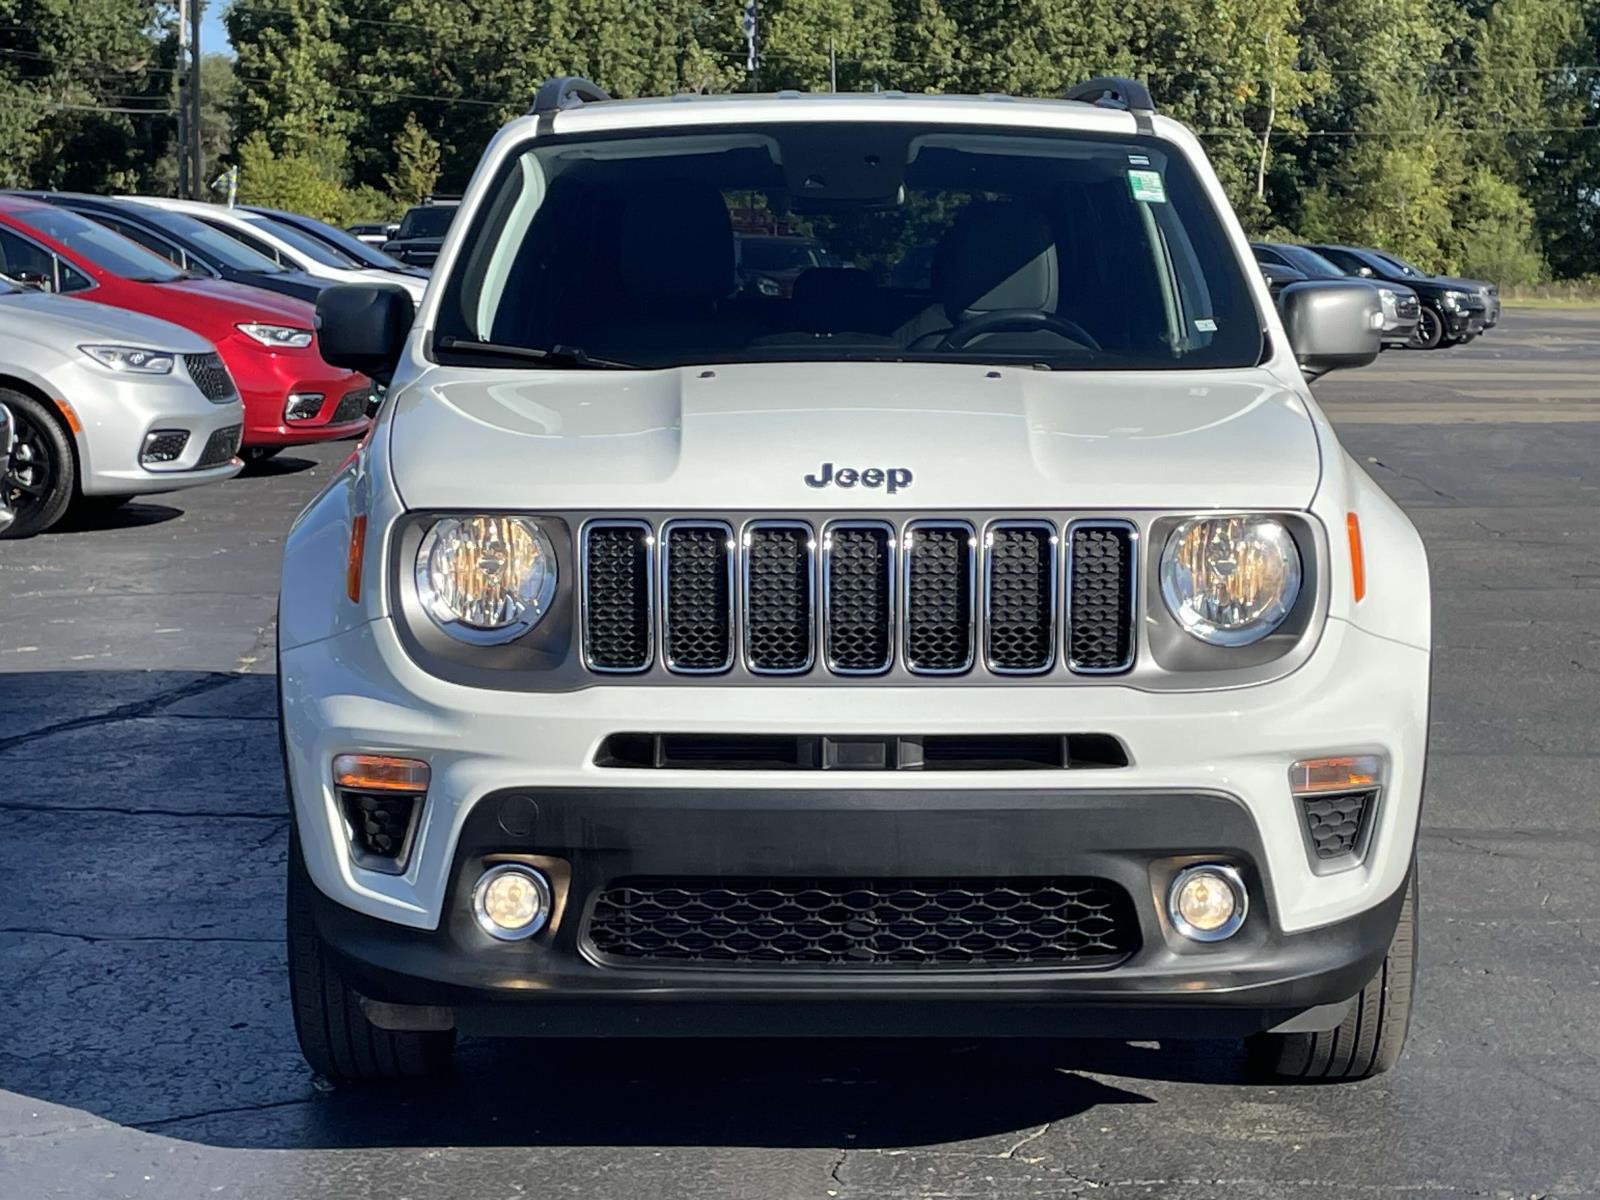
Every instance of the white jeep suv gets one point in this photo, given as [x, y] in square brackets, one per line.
[982, 633]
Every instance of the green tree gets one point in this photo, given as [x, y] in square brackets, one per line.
[416, 164]
[291, 55]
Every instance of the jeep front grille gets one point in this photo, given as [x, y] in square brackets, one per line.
[858, 597]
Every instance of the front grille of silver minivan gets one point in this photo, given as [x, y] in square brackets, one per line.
[858, 598]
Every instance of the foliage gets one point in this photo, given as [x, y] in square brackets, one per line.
[1464, 133]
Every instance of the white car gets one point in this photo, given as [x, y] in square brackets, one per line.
[285, 245]
[107, 405]
[1004, 649]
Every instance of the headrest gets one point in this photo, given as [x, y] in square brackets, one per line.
[677, 245]
[830, 299]
[997, 255]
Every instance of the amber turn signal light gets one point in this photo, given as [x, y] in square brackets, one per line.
[1358, 566]
[352, 566]
[1345, 774]
[380, 773]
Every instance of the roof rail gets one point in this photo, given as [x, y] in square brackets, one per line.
[1113, 91]
[566, 91]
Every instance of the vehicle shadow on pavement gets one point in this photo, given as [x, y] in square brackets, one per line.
[135, 514]
[142, 977]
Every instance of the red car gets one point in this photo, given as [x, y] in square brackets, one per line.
[266, 340]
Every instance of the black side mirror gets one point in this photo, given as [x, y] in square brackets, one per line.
[363, 327]
[1332, 324]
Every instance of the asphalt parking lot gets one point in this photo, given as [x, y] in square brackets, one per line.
[145, 1040]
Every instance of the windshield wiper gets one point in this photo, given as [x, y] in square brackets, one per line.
[555, 356]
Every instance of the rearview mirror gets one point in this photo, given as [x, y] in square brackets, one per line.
[363, 327]
[1332, 324]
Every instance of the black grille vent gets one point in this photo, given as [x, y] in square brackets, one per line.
[1101, 598]
[381, 825]
[352, 407]
[779, 616]
[698, 587]
[1337, 824]
[164, 446]
[1020, 636]
[220, 447]
[859, 581]
[616, 597]
[885, 923]
[211, 377]
[941, 561]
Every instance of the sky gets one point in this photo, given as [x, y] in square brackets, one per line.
[213, 37]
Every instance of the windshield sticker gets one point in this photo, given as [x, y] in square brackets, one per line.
[1147, 186]
[1205, 325]
[1138, 160]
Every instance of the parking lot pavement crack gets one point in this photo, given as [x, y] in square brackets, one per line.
[833, 1171]
[1395, 471]
[123, 712]
[160, 1123]
[1033, 1136]
[92, 938]
[115, 811]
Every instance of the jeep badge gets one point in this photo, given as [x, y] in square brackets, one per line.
[894, 478]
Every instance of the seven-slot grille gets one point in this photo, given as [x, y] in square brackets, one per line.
[211, 377]
[944, 595]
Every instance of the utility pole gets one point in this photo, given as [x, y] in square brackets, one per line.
[833, 67]
[196, 166]
[183, 100]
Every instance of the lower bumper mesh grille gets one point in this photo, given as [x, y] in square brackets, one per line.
[352, 407]
[221, 447]
[883, 923]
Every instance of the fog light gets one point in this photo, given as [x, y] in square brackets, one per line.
[1207, 903]
[511, 901]
[163, 446]
[303, 406]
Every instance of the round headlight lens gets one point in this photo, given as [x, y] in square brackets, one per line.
[486, 579]
[1230, 581]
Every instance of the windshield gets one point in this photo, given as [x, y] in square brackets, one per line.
[104, 248]
[427, 221]
[1310, 262]
[1067, 252]
[303, 243]
[212, 244]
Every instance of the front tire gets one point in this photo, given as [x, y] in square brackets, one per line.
[43, 474]
[1430, 330]
[1371, 1038]
[335, 1036]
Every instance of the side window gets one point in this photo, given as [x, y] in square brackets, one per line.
[1271, 257]
[255, 243]
[74, 280]
[26, 263]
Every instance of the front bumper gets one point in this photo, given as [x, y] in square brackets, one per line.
[1358, 693]
[556, 983]
[265, 379]
[114, 412]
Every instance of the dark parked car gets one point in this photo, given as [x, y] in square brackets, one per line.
[421, 234]
[768, 264]
[373, 233]
[189, 244]
[1401, 308]
[1489, 291]
[1452, 311]
[337, 239]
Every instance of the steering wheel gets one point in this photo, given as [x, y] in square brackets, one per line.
[1015, 320]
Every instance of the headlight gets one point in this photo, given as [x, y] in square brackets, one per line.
[277, 336]
[1388, 299]
[486, 579]
[132, 359]
[1454, 300]
[1230, 581]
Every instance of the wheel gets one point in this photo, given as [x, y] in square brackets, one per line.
[1371, 1038]
[335, 1035]
[43, 473]
[1430, 330]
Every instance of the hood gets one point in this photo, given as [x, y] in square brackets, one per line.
[249, 303]
[412, 283]
[65, 322]
[749, 436]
